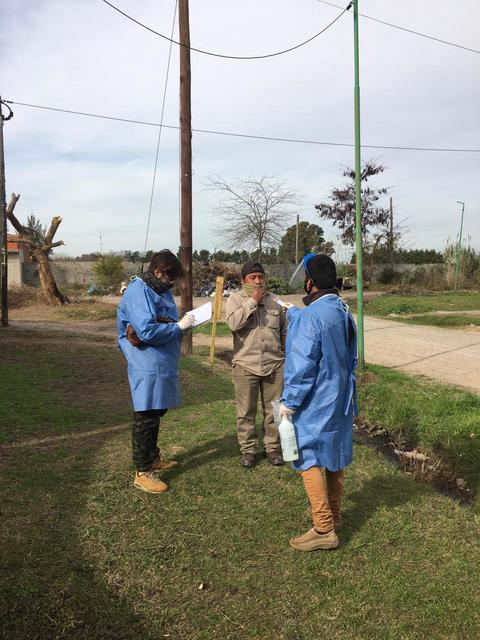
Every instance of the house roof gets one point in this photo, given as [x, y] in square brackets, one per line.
[13, 243]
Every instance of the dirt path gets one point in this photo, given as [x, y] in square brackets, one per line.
[451, 356]
[447, 355]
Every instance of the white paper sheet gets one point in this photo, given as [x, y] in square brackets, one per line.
[285, 305]
[201, 314]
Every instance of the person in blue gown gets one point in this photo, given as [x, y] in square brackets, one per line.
[319, 396]
[149, 336]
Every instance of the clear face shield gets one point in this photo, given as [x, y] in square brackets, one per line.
[301, 272]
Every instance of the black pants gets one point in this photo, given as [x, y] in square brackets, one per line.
[144, 437]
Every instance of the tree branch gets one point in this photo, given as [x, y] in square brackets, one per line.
[56, 220]
[19, 228]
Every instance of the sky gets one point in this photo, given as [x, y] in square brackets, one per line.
[97, 174]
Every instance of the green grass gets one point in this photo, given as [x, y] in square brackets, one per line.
[222, 329]
[51, 387]
[405, 305]
[451, 320]
[87, 310]
[85, 555]
[434, 417]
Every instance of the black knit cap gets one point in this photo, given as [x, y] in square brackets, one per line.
[252, 267]
[321, 269]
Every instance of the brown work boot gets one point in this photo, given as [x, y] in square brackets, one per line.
[163, 465]
[149, 482]
[275, 458]
[312, 540]
[248, 460]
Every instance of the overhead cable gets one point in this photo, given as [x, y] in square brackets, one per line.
[396, 26]
[222, 55]
[245, 135]
[152, 192]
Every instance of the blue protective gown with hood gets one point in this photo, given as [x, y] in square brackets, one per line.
[321, 356]
[152, 368]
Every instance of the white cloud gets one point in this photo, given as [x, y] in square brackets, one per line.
[97, 174]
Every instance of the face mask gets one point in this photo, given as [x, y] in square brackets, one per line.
[306, 288]
[250, 288]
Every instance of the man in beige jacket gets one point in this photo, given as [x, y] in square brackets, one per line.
[259, 329]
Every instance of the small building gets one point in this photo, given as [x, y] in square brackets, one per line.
[16, 257]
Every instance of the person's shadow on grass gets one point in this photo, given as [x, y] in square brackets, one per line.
[377, 492]
[204, 454]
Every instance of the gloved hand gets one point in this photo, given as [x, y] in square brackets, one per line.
[285, 412]
[186, 322]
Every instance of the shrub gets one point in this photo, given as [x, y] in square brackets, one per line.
[278, 285]
[108, 271]
[387, 275]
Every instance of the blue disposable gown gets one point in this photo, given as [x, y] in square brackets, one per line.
[320, 382]
[153, 368]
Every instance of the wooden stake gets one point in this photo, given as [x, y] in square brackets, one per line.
[217, 312]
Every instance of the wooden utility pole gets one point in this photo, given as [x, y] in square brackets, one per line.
[3, 225]
[391, 233]
[296, 241]
[185, 167]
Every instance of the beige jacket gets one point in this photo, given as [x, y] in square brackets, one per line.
[259, 332]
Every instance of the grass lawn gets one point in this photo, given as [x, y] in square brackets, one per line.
[85, 555]
[222, 329]
[434, 418]
[450, 320]
[424, 303]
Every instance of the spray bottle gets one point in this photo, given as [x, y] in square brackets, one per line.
[288, 440]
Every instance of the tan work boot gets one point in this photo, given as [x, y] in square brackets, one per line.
[149, 482]
[163, 465]
[311, 541]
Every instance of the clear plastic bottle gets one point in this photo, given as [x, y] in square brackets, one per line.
[288, 440]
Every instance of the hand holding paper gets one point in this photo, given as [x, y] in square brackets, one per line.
[285, 305]
[201, 314]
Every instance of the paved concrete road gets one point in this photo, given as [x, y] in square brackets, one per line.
[448, 355]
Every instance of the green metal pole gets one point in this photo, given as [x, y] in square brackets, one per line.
[358, 195]
[459, 246]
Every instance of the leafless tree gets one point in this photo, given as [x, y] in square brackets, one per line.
[254, 213]
[39, 250]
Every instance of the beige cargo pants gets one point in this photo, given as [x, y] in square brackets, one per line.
[248, 387]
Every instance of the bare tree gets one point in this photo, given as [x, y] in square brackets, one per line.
[39, 249]
[254, 213]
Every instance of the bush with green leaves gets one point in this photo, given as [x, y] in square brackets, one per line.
[278, 285]
[108, 271]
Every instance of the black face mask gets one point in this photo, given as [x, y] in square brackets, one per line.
[307, 290]
[155, 283]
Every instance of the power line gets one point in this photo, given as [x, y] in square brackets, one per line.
[221, 55]
[244, 135]
[396, 26]
[160, 130]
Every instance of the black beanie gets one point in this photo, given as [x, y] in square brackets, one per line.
[321, 269]
[252, 267]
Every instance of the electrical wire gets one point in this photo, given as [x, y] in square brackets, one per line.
[245, 135]
[396, 26]
[221, 55]
[160, 130]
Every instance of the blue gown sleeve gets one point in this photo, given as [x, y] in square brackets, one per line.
[140, 310]
[304, 350]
